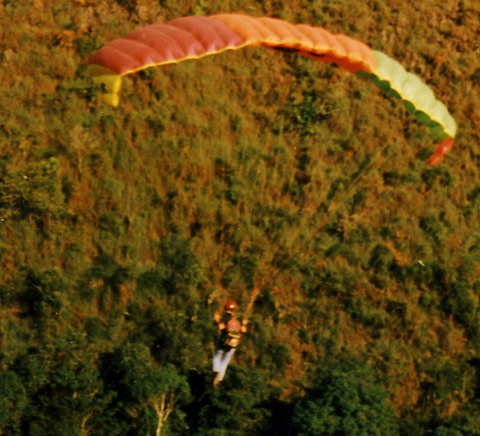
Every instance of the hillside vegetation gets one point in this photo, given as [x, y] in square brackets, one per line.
[123, 229]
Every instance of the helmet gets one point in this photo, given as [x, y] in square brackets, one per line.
[230, 306]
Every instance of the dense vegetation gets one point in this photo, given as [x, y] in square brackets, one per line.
[123, 229]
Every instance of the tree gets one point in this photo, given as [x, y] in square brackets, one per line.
[60, 384]
[141, 384]
[346, 399]
[241, 405]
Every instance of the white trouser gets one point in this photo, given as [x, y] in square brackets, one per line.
[221, 360]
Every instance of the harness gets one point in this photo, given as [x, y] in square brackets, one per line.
[233, 333]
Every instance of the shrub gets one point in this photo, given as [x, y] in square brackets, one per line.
[13, 399]
[41, 295]
[35, 191]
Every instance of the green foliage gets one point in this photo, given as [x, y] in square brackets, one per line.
[139, 379]
[346, 399]
[238, 406]
[106, 268]
[182, 266]
[137, 384]
[364, 314]
[436, 176]
[458, 301]
[123, 229]
[13, 401]
[34, 192]
[463, 423]
[381, 259]
[444, 383]
[72, 392]
[41, 296]
[433, 228]
[307, 112]
[330, 281]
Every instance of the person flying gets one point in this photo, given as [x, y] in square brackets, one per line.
[230, 330]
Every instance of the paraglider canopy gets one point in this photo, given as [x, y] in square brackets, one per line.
[197, 36]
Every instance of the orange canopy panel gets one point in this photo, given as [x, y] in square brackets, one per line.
[311, 41]
[197, 36]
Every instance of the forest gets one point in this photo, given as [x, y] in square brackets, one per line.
[124, 229]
